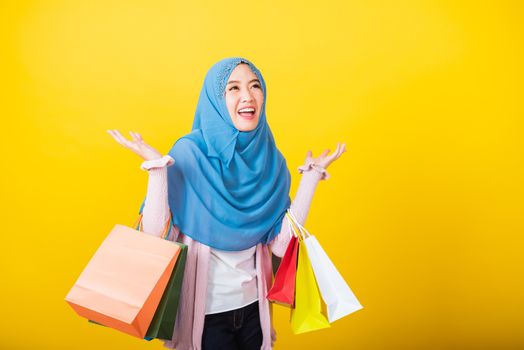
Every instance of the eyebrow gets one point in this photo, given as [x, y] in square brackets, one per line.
[236, 81]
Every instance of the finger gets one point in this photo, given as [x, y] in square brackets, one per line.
[340, 149]
[331, 157]
[118, 134]
[309, 154]
[123, 141]
[325, 153]
[138, 137]
[335, 154]
[120, 139]
[337, 149]
[134, 136]
[115, 137]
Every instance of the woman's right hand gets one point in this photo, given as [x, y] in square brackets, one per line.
[137, 145]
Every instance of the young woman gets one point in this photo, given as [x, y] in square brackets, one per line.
[226, 186]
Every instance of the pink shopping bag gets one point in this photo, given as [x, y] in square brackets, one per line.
[123, 282]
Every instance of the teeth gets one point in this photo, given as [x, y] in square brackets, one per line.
[246, 110]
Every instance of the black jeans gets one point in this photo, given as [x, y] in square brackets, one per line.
[236, 329]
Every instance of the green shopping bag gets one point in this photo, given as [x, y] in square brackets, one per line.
[163, 322]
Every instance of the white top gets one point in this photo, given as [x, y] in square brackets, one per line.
[232, 281]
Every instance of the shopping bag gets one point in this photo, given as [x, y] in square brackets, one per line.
[308, 313]
[335, 292]
[124, 281]
[283, 289]
[163, 322]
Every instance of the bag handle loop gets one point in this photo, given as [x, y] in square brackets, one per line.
[303, 231]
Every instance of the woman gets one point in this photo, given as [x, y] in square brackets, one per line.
[226, 186]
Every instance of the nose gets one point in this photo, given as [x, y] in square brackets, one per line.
[247, 96]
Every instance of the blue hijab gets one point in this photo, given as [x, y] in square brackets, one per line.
[227, 189]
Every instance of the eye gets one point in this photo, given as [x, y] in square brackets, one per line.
[256, 85]
[233, 87]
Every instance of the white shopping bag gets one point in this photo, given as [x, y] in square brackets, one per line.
[335, 292]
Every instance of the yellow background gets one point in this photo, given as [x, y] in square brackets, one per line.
[423, 215]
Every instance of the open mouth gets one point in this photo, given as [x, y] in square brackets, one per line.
[247, 112]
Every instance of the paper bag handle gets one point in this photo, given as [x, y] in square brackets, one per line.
[303, 231]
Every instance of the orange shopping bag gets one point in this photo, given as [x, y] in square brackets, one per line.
[123, 283]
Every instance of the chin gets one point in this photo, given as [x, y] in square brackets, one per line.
[247, 126]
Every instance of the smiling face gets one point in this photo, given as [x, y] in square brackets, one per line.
[244, 98]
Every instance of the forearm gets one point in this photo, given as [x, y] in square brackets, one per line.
[304, 196]
[300, 208]
[156, 207]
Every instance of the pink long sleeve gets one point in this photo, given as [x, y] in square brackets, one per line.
[300, 208]
[156, 207]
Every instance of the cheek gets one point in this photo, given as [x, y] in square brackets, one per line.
[230, 104]
[260, 98]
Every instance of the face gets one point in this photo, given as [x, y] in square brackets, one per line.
[244, 98]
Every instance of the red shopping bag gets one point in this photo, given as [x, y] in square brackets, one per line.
[283, 289]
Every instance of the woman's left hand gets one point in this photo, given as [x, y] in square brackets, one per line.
[325, 159]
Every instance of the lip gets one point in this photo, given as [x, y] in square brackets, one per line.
[254, 107]
[247, 118]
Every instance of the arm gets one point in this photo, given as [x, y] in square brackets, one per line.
[299, 206]
[313, 171]
[156, 207]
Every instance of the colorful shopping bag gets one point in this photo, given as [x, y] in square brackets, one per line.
[283, 289]
[335, 292]
[124, 281]
[308, 314]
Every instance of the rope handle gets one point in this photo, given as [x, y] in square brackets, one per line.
[303, 231]
[291, 228]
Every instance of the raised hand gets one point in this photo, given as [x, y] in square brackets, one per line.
[325, 159]
[137, 144]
